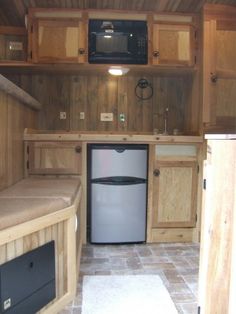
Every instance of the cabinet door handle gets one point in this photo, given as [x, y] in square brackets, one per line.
[156, 53]
[81, 51]
[156, 172]
[214, 78]
[78, 149]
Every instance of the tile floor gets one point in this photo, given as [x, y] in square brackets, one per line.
[176, 263]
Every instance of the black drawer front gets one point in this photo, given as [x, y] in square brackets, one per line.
[26, 276]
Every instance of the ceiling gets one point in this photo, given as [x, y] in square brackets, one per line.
[12, 12]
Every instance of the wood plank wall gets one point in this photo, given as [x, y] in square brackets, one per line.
[94, 94]
[14, 117]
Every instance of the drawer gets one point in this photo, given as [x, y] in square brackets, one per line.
[28, 281]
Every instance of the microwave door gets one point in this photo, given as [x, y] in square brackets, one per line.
[115, 43]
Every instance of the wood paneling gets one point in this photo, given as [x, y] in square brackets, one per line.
[15, 15]
[103, 93]
[14, 117]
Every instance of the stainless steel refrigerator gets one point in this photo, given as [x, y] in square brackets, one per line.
[117, 192]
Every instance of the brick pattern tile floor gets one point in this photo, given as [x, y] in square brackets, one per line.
[176, 263]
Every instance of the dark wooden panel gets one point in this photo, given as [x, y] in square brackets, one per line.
[93, 95]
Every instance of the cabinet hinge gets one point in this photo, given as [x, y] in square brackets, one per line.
[199, 310]
[195, 59]
[27, 164]
[204, 184]
[198, 168]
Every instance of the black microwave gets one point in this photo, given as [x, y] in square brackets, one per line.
[118, 42]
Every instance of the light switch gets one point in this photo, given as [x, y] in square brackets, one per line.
[81, 115]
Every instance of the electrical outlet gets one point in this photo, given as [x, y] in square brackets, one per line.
[62, 115]
[106, 116]
[122, 117]
[81, 115]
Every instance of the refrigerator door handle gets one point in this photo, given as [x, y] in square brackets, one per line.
[119, 180]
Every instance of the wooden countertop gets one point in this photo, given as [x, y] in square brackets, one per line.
[43, 135]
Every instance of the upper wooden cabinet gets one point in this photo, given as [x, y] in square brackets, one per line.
[57, 38]
[13, 44]
[219, 69]
[173, 44]
[173, 40]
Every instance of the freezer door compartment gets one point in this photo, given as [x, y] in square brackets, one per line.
[118, 213]
[120, 161]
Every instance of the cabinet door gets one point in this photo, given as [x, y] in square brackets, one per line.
[54, 158]
[58, 40]
[174, 194]
[172, 45]
[219, 112]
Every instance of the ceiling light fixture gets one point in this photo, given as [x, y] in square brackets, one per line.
[118, 71]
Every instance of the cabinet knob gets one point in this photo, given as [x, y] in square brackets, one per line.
[78, 149]
[156, 172]
[156, 53]
[81, 51]
[214, 78]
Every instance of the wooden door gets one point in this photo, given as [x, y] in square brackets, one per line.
[58, 40]
[172, 45]
[217, 281]
[54, 158]
[219, 89]
[174, 194]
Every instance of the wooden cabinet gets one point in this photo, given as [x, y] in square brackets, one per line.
[219, 69]
[57, 38]
[13, 43]
[53, 157]
[174, 189]
[173, 181]
[173, 44]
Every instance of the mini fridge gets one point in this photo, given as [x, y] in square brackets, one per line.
[117, 192]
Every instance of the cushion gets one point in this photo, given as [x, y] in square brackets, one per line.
[43, 187]
[18, 210]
